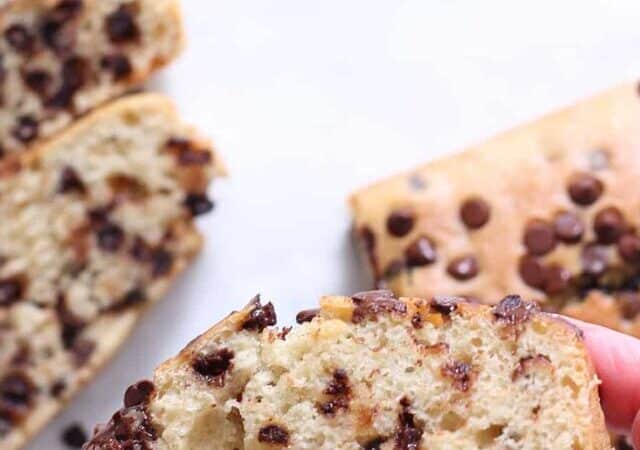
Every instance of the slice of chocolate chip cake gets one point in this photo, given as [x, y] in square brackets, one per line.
[371, 372]
[549, 210]
[60, 58]
[94, 226]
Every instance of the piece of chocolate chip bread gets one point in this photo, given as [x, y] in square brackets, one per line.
[61, 58]
[549, 210]
[94, 226]
[371, 372]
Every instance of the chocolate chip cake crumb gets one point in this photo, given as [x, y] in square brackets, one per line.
[74, 436]
[274, 434]
[69, 285]
[260, 316]
[336, 384]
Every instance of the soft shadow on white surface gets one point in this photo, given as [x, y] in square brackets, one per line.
[307, 101]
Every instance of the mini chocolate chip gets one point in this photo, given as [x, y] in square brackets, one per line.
[121, 26]
[11, 290]
[140, 250]
[557, 278]
[463, 268]
[198, 204]
[595, 259]
[584, 189]
[375, 443]
[38, 81]
[513, 310]
[214, 365]
[110, 237]
[539, 237]
[133, 297]
[260, 316]
[460, 372]
[630, 305]
[161, 262]
[568, 227]
[75, 72]
[416, 321]
[62, 98]
[421, 252]
[531, 271]
[57, 388]
[370, 304]
[17, 391]
[118, 65]
[74, 436]
[400, 222]
[82, 349]
[20, 38]
[273, 434]
[609, 224]
[187, 154]
[408, 433]
[26, 129]
[70, 181]
[138, 393]
[445, 304]
[307, 315]
[629, 248]
[475, 213]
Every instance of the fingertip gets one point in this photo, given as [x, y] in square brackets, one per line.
[616, 358]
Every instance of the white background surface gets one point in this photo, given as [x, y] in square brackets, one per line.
[308, 100]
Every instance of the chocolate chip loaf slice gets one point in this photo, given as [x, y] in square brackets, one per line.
[371, 372]
[61, 58]
[94, 227]
[549, 209]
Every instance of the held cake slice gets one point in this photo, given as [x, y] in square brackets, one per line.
[94, 226]
[61, 58]
[371, 372]
[550, 210]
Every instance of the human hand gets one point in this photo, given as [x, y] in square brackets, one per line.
[616, 358]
